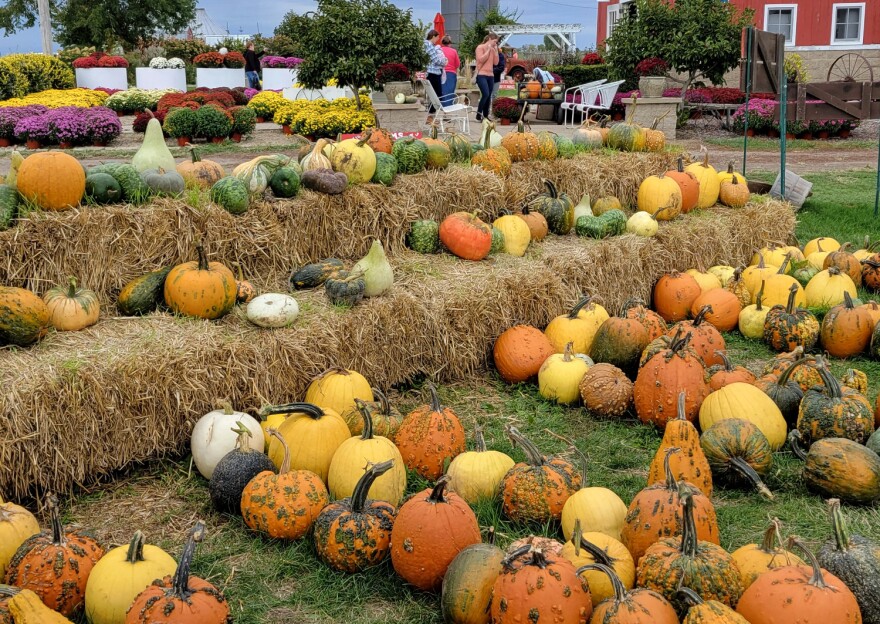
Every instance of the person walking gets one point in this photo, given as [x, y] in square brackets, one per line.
[452, 66]
[497, 71]
[252, 65]
[487, 57]
[436, 69]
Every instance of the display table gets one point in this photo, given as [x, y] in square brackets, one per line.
[107, 77]
[649, 109]
[150, 78]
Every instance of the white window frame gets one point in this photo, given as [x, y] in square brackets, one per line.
[848, 5]
[609, 24]
[794, 10]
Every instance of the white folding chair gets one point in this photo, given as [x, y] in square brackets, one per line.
[603, 100]
[576, 95]
[455, 112]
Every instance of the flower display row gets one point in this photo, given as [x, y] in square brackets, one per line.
[160, 62]
[66, 126]
[210, 122]
[280, 62]
[99, 59]
[136, 100]
[194, 99]
[56, 98]
[265, 103]
[324, 118]
[761, 114]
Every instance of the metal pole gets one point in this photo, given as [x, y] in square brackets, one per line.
[749, 35]
[45, 25]
[783, 114]
[877, 192]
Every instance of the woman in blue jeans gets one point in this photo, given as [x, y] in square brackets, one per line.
[487, 57]
[436, 70]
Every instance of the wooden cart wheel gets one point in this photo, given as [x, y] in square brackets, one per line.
[850, 67]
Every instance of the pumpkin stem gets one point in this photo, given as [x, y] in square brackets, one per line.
[285, 464]
[244, 435]
[240, 274]
[310, 410]
[57, 528]
[701, 315]
[847, 300]
[576, 537]
[203, 259]
[677, 346]
[369, 133]
[689, 596]
[580, 305]
[538, 559]
[818, 579]
[750, 474]
[772, 535]
[759, 297]
[566, 356]
[180, 583]
[616, 583]
[681, 414]
[629, 304]
[680, 164]
[384, 406]
[194, 154]
[479, 439]
[595, 551]
[490, 536]
[359, 495]
[439, 489]
[71, 289]
[367, 418]
[551, 188]
[792, 293]
[783, 379]
[785, 262]
[838, 525]
[705, 153]
[725, 360]
[8, 591]
[671, 483]
[689, 528]
[435, 399]
[533, 456]
[832, 386]
[794, 439]
[507, 562]
[135, 548]
[226, 406]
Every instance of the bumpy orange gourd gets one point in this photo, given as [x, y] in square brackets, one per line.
[725, 374]
[653, 323]
[606, 391]
[520, 351]
[706, 340]
[201, 289]
[466, 236]
[690, 464]
[202, 173]
[52, 180]
[521, 145]
[846, 262]
[430, 437]
[431, 528]
[673, 295]
[639, 606]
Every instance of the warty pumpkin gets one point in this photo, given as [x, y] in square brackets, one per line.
[200, 289]
[536, 490]
[560, 376]
[72, 308]
[579, 326]
[283, 505]
[349, 461]
[855, 560]
[56, 564]
[725, 374]
[745, 401]
[492, 158]
[521, 145]
[596, 510]
[724, 308]
[466, 236]
[787, 327]
[734, 193]
[354, 533]
[17, 524]
[520, 351]
[557, 208]
[606, 391]
[538, 588]
[856, 380]
[756, 559]
[659, 196]
[674, 293]
[687, 184]
[430, 437]
[182, 598]
[736, 284]
[871, 272]
[737, 451]
[620, 341]
[701, 611]
[650, 320]
[706, 175]
[846, 329]
[386, 418]
[476, 475]
[805, 594]
[840, 468]
[752, 317]
[833, 411]
[338, 389]
[316, 434]
[24, 317]
[586, 549]
[688, 561]
[655, 140]
[235, 470]
[705, 339]
[806, 375]
[52, 180]
[846, 262]
[690, 464]
[656, 512]
[638, 606]
[466, 596]
[828, 287]
[431, 528]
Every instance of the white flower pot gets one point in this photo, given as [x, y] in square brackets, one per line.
[278, 78]
[225, 77]
[107, 77]
[149, 78]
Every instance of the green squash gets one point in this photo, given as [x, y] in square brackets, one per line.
[411, 155]
[460, 149]
[285, 182]
[231, 194]
[626, 137]
[345, 288]
[163, 182]
[386, 169]
[565, 147]
[611, 223]
[497, 241]
[737, 451]
[468, 583]
[557, 208]
[315, 274]
[476, 147]
[143, 294]
[134, 190]
[102, 188]
[424, 236]
[873, 442]
[24, 317]
[8, 206]
[154, 153]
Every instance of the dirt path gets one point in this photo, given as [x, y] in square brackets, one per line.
[813, 160]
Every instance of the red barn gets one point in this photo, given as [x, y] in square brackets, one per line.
[819, 30]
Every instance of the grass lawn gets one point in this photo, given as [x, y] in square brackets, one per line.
[763, 144]
[269, 581]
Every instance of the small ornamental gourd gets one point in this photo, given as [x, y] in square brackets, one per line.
[606, 391]
[701, 611]
[467, 585]
[337, 389]
[466, 236]
[520, 351]
[439, 154]
[476, 475]
[752, 317]
[638, 606]
[840, 468]
[856, 380]
[734, 193]
[517, 234]
[834, 411]
[143, 294]
[737, 451]
[674, 293]
[787, 327]
[560, 376]
[587, 549]
[214, 435]
[805, 594]
[736, 284]
[493, 157]
[424, 236]
[347, 465]
[726, 373]
[521, 145]
[557, 208]
[690, 464]
[704, 566]
[200, 289]
[539, 588]
[375, 270]
[620, 341]
[846, 329]
[25, 607]
[855, 560]
[56, 565]
[235, 470]
[430, 437]
[596, 509]
[386, 418]
[431, 528]
[606, 204]
[754, 560]
[181, 598]
[579, 326]
[806, 375]
[245, 291]
[871, 272]
[354, 533]
[17, 524]
[536, 490]
[283, 505]
[316, 434]
[72, 308]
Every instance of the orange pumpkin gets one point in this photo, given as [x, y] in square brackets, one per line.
[674, 293]
[650, 320]
[430, 437]
[202, 173]
[520, 351]
[521, 145]
[466, 236]
[533, 89]
[201, 289]
[536, 222]
[52, 180]
[180, 599]
[689, 185]
[873, 309]
[283, 505]
[846, 262]
[726, 373]
[846, 329]
[706, 340]
[637, 606]
[431, 528]
[380, 139]
[55, 565]
[72, 308]
[724, 308]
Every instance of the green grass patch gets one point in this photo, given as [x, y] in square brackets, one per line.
[763, 144]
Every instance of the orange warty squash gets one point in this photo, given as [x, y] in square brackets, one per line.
[606, 391]
[674, 293]
[689, 185]
[725, 374]
[724, 308]
[708, 611]
[52, 180]
[521, 145]
[637, 606]
[431, 528]
[846, 262]
[380, 139]
[466, 236]
[201, 289]
[690, 464]
[650, 320]
[706, 340]
[520, 351]
[430, 437]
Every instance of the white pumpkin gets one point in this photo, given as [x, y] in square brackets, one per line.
[556, 89]
[400, 98]
[583, 208]
[213, 437]
[642, 224]
[273, 310]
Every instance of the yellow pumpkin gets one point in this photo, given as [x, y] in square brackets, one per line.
[355, 158]
[707, 281]
[755, 559]
[660, 196]
[517, 234]
[16, 525]
[745, 401]
[706, 175]
[560, 376]
[122, 574]
[52, 180]
[777, 287]
[730, 174]
[336, 389]
[315, 433]
[827, 287]
[823, 243]
[604, 204]
[754, 275]
[817, 259]
[723, 272]
[72, 308]
[272, 421]
[579, 326]
[476, 475]
[775, 255]
[600, 548]
[752, 317]
[358, 453]
[598, 509]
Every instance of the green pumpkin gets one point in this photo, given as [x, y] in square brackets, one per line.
[834, 411]
[285, 182]
[737, 451]
[565, 147]
[626, 137]
[424, 236]
[460, 149]
[557, 208]
[142, 294]
[803, 272]
[468, 583]
[102, 188]
[8, 206]
[315, 274]
[164, 183]
[345, 288]
[497, 241]
[611, 223]
[873, 442]
[134, 189]
[386, 169]
[411, 155]
[231, 194]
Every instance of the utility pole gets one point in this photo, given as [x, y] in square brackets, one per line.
[45, 26]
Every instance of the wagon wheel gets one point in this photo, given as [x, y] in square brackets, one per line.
[850, 67]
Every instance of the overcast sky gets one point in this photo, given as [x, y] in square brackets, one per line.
[263, 15]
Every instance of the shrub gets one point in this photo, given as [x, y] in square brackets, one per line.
[70, 54]
[104, 125]
[21, 74]
[34, 128]
[136, 100]
[69, 124]
[506, 108]
[212, 60]
[234, 60]
[180, 122]
[55, 98]
[592, 58]
[142, 119]
[320, 118]
[212, 121]
[759, 114]
[573, 75]
[283, 62]
[265, 103]
[99, 59]
[160, 62]
[11, 115]
[392, 72]
[652, 67]
[184, 48]
[244, 120]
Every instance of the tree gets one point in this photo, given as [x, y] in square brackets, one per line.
[102, 22]
[697, 38]
[16, 15]
[349, 39]
[474, 33]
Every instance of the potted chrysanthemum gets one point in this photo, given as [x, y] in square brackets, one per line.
[219, 70]
[101, 70]
[163, 73]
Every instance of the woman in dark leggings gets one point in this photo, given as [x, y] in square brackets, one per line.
[487, 57]
[436, 68]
